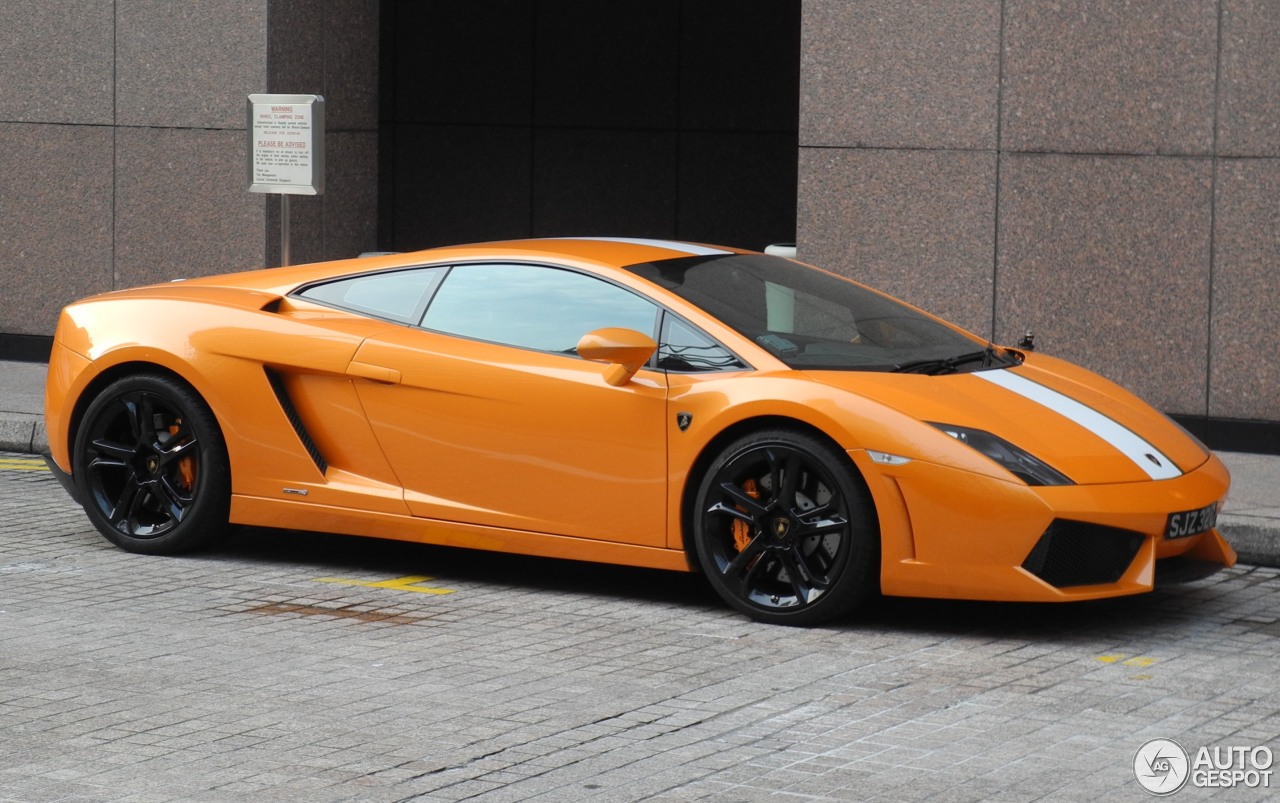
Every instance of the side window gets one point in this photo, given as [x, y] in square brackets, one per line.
[534, 307]
[399, 295]
[683, 348]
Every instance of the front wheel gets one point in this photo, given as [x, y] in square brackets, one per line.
[150, 466]
[785, 529]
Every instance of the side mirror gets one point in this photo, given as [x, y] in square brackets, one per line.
[625, 350]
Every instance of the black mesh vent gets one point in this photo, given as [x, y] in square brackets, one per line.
[291, 412]
[1073, 553]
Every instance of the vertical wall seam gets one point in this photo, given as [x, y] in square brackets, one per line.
[1213, 222]
[319, 82]
[325, 44]
[995, 239]
[675, 191]
[533, 120]
[248, 139]
[115, 141]
[387, 129]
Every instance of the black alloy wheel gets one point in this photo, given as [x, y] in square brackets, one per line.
[785, 529]
[150, 465]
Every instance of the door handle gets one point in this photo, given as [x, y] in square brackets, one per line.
[377, 373]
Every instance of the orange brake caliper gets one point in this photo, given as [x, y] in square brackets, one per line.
[186, 466]
[741, 529]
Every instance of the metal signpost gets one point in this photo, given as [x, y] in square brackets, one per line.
[286, 151]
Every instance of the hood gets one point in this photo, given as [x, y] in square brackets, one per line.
[1084, 426]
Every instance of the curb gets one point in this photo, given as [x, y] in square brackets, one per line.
[1255, 545]
[23, 432]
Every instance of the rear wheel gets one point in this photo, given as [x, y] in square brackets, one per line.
[151, 467]
[785, 529]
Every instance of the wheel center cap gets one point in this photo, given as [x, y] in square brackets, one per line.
[152, 464]
[781, 529]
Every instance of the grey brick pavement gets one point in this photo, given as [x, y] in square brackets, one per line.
[248, 674]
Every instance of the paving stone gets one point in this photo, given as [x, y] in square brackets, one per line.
[236, 674]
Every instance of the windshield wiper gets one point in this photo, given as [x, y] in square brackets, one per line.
[949, 365]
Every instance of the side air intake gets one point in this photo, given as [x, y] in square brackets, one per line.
[295, 420]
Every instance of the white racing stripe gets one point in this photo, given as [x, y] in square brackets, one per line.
[1144, 455]
[670, 245]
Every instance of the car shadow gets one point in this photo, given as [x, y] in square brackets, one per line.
[339, 554]
[1122, 617]
[1131, 617]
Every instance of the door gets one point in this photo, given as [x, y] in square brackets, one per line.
[487, 414]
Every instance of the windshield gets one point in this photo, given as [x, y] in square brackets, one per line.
[812, 319]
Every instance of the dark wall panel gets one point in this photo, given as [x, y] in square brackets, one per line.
[607, 65]
[739, 66]
[460, 62]
[737, 188]
[663, 118]
[615, 183]
[460, 184]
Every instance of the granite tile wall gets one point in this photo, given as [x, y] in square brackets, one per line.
[898, 126]
[1104, 173]
[330, 49]
[888, 74]
[123, 149]
[180, 205]
[1106, 259]
[1245, 322]
[188, 65]
[1249, 79]
[1097, 76]
[918, 224]
[57, 61]
[55, 220]
[55, 158]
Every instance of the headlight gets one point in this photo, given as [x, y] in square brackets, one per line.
[1017, 462]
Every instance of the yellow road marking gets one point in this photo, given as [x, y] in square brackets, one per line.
[1127, 661]
[409, 583]
[22, 464]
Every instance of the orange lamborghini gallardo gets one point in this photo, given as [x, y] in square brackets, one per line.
[801, 440]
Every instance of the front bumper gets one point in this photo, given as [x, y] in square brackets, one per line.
[950, 533]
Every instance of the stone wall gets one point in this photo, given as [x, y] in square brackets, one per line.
[1106, 174]
[123, 150]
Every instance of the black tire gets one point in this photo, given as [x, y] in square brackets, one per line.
[150, 465]
[785, 529]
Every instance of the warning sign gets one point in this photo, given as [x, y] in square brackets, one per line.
[286, 144]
